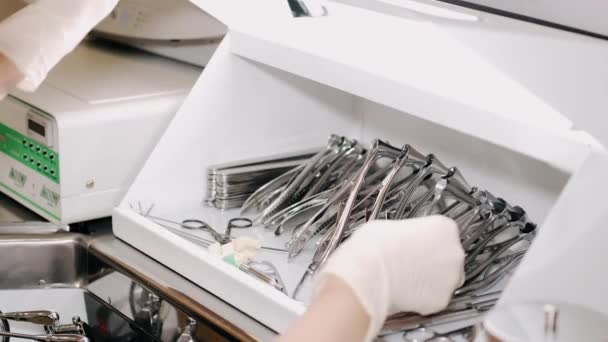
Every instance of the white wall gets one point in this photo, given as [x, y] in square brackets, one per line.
[588, 15]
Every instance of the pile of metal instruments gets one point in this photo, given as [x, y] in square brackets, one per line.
[49, 322]
[324, 200]
[230, 184]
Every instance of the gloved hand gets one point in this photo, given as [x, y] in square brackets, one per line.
[392, 266]
[9, 75]
[38, 36]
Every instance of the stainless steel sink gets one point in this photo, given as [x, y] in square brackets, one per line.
[117, 276]
[35, 261]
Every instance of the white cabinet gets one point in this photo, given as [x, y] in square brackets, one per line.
[279, 84]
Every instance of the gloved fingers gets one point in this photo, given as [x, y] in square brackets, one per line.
[9, 75]
[436, 295]
[39, 35]
[364, 273]
[425, 262]
[427, 288]
[391, 266]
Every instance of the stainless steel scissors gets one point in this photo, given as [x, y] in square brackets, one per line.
[238, 223]
[198, 224]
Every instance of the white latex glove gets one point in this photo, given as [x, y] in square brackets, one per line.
[38, 36]
[392, 266]
[9, 75]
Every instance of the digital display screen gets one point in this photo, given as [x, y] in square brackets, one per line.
[36, 127]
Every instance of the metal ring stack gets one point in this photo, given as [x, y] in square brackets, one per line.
[230, 184]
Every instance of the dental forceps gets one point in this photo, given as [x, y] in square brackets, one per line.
[479, 211]
[425, 334]
[521, 223]
[293, 185]
[469, 300]
[291, 212]
[495, 271]
[466, 201]
[379, 150]
[408, 321]
[266, 272]
[432, 166]
[345, 185]
[452, 185]
[303, 234]
[326, 214]
[499, 211]
[317, 188]
[464, 309]
[472, 271]
[331, 163]
[277, 184]
[343, 161]
[430, 199]
[408, 156]
[296, 208]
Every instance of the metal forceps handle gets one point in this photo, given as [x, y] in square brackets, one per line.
[42, 317]
[238, 223]
[47, 338]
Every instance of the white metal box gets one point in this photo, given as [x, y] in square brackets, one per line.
[493, 97]
[69, 151]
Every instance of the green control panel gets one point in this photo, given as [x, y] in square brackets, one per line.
[29, 152]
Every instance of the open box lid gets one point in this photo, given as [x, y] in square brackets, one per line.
[510, 70]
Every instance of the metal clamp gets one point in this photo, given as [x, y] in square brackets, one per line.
[189, 333]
